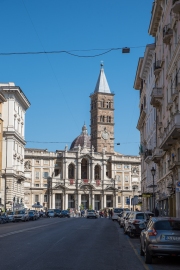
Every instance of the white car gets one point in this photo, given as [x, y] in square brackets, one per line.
[51, 213]
[123, 217]
[91, 214]
[116, 212]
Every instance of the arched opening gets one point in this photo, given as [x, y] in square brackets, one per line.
[71, 171]
[97, 172]
[84, 169]
[108, 169]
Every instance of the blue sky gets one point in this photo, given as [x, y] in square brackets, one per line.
[58, 85]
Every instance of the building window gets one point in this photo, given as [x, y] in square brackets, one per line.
[118, 178]
[45, 198]
[126, 178]
[126, 166]
[46, 162]
[118, 166]
[119, 199]
[36, 198]
[36, 185]
[45, 174]
[126, 188]
[119, 187]
[108, 119]
[37, 161]
[44, 185]
[37, 174]
[56, 172]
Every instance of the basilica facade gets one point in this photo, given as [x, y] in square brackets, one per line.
[90, 174]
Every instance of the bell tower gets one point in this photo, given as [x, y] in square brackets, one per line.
[102, 115]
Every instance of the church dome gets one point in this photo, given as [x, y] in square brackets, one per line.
[83, 139]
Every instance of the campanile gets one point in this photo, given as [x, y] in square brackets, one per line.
[102, 115]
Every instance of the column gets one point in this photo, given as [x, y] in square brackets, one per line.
[66, 202]
[130, 202]
[53, 201]
[93, 205]
[63, 203]
[122, 200]
[79, 201]
[92, 171]
[89, 171]
[104, 201]
[116, 205]
[79, 170]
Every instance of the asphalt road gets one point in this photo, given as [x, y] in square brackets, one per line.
[72, 244]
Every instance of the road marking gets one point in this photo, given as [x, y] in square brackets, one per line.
[138, 256]
[29, 229]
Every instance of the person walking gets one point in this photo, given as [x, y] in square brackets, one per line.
[109, 213]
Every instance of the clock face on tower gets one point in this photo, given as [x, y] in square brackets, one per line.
[105, 134]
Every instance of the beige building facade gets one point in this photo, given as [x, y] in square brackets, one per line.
[159, 84]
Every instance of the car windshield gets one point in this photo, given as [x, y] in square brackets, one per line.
[31, 212]
[19, 212]
[91, 211]
[117, 210]
[51, 211]
[140, 216]
[57, 210]
[167, 225]
[10, 213]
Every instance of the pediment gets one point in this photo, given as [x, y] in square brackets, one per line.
[88, 156]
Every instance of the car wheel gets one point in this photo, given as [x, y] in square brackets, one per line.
[141, 251]
[147, 256]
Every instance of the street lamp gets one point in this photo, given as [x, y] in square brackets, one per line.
[153, 171]
[133, 197]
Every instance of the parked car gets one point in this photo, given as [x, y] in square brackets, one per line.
[64, 213]
[119, 217]
[50, 213]
[57, 212]
[4, 218]
[91, 214]
[32, 215]
[116, 211]
[134, 223]
[161, 237]
[124, 215]
[21, 215]
[10, 215]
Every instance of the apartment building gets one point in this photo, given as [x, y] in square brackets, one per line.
[165, 28]
[12, 143]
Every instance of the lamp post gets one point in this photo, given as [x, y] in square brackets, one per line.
[153, 171]
[133, 197]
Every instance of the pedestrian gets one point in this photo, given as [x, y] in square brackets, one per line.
[109, 213]
[105, 213]
[156, 212]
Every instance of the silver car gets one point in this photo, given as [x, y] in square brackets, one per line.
[161, 237]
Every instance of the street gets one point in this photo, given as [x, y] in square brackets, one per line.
[74, 243]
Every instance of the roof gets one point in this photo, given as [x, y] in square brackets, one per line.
[102, 84]
[83, 139]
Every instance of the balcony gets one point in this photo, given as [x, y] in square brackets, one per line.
[156, 97]
[85, 181]
[174, 95]
[141, 119]
[174, 164]
[98, 183]
[71, 181]
[167, 34]
[170, 104]
[171, 132]
[147, 155]
[157, 67]
[157, 155]
[176, 6]
[159, 124]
